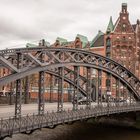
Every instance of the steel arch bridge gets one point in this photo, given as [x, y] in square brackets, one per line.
[62, 62]
[65, 64]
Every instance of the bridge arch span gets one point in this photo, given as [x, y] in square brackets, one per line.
[64, 57]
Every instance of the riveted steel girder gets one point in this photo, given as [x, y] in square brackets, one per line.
[76, 90]
[18, 99]
[8, 64]
[41, 85]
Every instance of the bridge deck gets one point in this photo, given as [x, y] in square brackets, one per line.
[31, 122]
[9, 110]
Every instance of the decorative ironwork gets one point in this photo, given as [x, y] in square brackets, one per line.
[28, 123]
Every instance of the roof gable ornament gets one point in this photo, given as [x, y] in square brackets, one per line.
[110, 26]
[123, 24]
[83, 39]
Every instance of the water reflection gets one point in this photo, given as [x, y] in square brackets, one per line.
[82, 131]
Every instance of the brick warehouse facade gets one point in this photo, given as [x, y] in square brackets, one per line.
[120, 42]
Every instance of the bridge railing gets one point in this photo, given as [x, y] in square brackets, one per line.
[29, 123]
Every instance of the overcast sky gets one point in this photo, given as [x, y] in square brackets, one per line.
[23, 21]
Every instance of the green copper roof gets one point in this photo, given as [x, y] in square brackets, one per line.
[83, 39]
[96, 38]
[47, 43]
[29, 45]
[110, 26]
[61, 40]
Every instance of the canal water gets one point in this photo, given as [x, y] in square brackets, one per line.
[82, 131]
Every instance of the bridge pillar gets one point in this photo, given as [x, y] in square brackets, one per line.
[26, 89]
[70, 90]
[117, 91]
[76, 90]
[60, 89]
[41, 86]
[11, 94]
[108, 83]
[51, 87]
[129, 96]
[18, 99]
[108, 88]
[99, 86]
[88, 88]
[41, 92]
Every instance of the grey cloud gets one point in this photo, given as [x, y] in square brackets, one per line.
[22, 21]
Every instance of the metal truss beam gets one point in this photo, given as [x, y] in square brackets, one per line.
[78, 58]
[76, 90]
[8, 65]
[18, 99]
[34, 59]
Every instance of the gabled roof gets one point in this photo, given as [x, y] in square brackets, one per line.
[98, 40]
[110, 26]
[61, 40]
[83, 39]
[118, 22]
